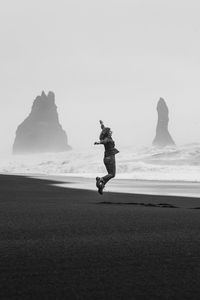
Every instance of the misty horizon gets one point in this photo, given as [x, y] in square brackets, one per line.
[111, 60]
[79, 146]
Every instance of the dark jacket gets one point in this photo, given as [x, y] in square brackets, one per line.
[109, 145]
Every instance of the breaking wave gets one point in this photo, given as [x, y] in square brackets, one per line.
[173, 163]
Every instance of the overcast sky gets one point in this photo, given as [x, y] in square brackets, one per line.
[108, 59]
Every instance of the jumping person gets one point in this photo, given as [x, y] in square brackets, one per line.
[105, 139]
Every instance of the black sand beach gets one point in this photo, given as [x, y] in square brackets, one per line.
[64, 243]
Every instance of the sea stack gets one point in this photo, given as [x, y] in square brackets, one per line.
[163, 137]
[41, 131]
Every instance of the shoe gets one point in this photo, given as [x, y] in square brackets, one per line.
[97, 181]
[100, 185]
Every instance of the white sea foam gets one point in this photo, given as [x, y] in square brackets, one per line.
[180, 163]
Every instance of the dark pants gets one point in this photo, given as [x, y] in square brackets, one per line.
[109, 162]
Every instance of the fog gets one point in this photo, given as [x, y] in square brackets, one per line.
[109, 60]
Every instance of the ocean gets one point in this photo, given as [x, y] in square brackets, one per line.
[181, 163]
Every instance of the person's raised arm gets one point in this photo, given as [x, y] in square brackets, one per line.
[102, 141]
[102, 125]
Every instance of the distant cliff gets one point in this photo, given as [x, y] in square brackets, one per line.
[163, 137]
[41, 130]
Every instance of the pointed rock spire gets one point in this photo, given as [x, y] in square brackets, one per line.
[41, 130]
[163, 137]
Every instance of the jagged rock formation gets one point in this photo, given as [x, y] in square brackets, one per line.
[41, 130]
[163, 137]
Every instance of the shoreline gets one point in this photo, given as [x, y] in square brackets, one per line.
[127, 186]
[93, 176]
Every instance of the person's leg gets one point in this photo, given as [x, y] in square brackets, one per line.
[110, 167]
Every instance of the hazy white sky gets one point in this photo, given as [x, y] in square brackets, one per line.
[108, 59]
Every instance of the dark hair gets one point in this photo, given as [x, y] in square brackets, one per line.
[106, 132]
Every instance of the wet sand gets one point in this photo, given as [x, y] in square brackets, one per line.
[67, 243]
